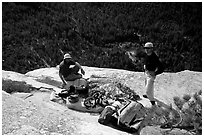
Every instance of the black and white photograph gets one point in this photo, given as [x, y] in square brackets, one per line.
[101, 67]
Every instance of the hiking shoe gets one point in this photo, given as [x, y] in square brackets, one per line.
[145, 96]
[153, 103]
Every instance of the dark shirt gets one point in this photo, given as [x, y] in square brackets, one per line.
[64, 67]
[151, 62]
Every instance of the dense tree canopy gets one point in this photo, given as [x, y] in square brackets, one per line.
[98, 34]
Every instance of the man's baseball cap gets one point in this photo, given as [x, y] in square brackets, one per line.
[148, 45]
[67, 56]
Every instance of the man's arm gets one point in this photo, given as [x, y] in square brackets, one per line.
[62, 78]
[82, 71]
[145, 67]
[160, 67]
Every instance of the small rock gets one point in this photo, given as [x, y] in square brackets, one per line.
[22, 117]
[150, 130]
[43, 132]
[59, 126]
[54, 133]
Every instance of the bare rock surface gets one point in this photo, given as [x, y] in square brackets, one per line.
[37, 115]
[32, 113]
[156, 130]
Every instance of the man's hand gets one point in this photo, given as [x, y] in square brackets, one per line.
[152, 73]
[144, 67]
[82, 72]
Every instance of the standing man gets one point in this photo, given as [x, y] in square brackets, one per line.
[152, 67]
[68, 73]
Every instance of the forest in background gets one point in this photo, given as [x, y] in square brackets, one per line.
[99, 34]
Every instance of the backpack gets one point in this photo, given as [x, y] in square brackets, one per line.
[131, 116]
[106, 115]
[128, 118]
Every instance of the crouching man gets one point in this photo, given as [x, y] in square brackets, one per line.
[68, 73]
